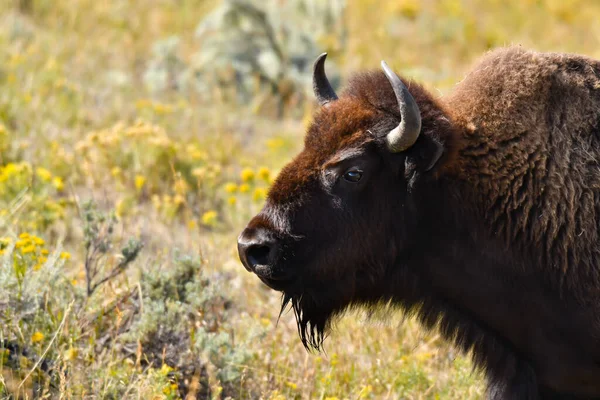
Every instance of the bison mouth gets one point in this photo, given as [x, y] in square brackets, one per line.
[276, 277]
[279, 284]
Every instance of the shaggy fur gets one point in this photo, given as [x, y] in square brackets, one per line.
[496, 246]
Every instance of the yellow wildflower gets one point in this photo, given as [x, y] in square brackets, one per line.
[45, 252]
[21, 243]
[24, 363]
[365, 391]
[5, 241]
[37, 267]
[180, 186]
[50, 64]
[165, 369]
[2, 251]
[275, 143]
[122, 207]
[28, 249]
[24, 235]
[291, 385]
[247, 175]
[142, 103]
[199, 172]
[38, 241]
[10, 169]
[58, 183]
[232, 200]
[216, 168]
[140, 181]
[167, 390]
[162, 142]
[43, 174]
[259, 194]
[42, 259]
[163, 109]
[264, 174]
[65, 255]
[37, 337]
[334, 360]
[115, 171]
[231, 187]
[198, 155]
[191, 224]
[178, 199]
[209, 218]
[245, 188]
[71, 354]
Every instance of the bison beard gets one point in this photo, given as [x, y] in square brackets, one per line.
[485, 223]
[311, 321]
[314, 315]
[314, 310]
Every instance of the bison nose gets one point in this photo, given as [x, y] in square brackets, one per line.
[256, 248]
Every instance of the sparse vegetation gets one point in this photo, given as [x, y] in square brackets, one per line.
[129, 163]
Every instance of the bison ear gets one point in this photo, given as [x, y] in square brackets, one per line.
[422, 159]
[433, 153]
[417, 162]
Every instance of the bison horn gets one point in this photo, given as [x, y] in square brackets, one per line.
[406, 133]
[321, 86]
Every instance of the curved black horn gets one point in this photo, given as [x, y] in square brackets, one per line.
[321, 86]
[406, 133]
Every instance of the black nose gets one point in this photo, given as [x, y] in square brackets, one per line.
[257, 248]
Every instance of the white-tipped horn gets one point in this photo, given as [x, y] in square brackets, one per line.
[407, 132]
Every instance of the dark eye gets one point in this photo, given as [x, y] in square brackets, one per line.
[353, 175]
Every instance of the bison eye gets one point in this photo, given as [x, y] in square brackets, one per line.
[353, 175]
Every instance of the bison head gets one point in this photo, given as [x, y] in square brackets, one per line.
[344, 215]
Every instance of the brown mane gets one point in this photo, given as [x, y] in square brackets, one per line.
[531, 152]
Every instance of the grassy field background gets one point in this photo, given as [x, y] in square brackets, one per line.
[129, 164]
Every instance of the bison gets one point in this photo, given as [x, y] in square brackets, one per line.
[478, 212]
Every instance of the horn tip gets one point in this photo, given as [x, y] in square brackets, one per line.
[385, 67]
[320, 61]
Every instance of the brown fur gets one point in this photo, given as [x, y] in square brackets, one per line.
[497, 246]
[532, 134]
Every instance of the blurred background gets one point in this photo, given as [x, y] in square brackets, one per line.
[136, 140]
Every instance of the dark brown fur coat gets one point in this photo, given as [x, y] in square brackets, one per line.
[496, 245]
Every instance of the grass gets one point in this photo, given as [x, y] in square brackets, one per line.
[120, 204]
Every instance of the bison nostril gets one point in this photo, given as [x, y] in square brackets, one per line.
[258, 250]
[258, 255]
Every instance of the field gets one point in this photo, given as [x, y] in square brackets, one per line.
[133, 151]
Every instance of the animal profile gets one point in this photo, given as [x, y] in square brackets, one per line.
[478, 212]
